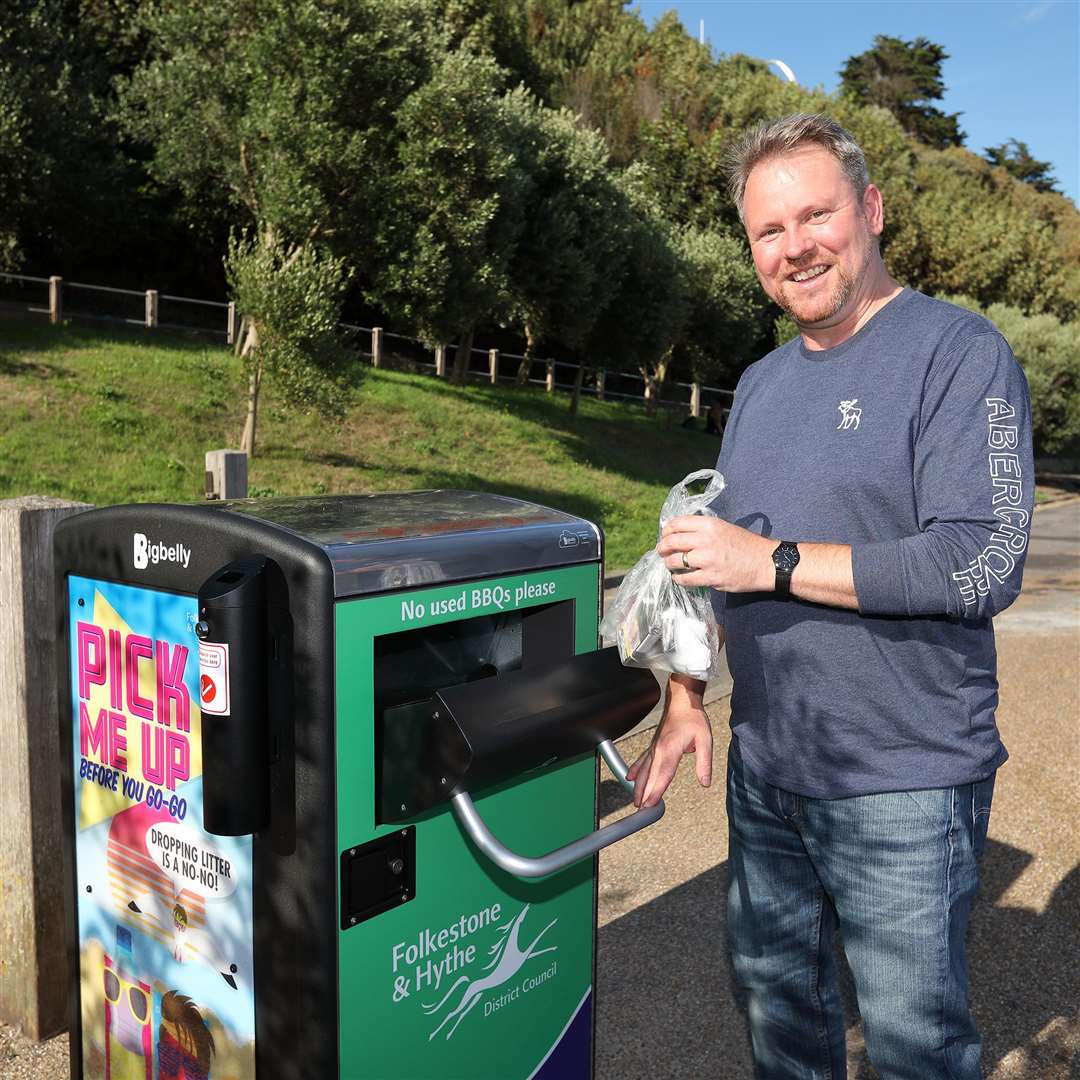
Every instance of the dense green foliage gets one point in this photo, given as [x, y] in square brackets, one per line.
[552, 167]
[74, 196]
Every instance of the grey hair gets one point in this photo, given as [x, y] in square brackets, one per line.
[778, 137]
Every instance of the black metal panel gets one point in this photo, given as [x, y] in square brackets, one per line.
[377, 876]
[294, 860]
[547, 634]
[421, 755]
[236, 745]
[470, 736]
[534, 717]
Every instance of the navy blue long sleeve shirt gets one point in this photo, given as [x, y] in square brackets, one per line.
[910, 441]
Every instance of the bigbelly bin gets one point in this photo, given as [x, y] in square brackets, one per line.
[331, 787]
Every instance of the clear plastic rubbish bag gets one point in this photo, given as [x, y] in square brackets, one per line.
[656, 622]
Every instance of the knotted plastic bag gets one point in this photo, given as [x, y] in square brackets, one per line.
[656, 622]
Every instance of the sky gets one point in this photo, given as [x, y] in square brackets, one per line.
[1013, 70]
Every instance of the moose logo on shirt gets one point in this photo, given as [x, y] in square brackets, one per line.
[849, 415]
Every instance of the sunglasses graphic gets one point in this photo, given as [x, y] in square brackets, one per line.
[137, 998]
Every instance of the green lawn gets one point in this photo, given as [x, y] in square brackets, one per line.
[111, 415]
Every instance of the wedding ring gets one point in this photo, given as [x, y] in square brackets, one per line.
[686, 565]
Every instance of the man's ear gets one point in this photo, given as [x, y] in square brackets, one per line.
[873, 209]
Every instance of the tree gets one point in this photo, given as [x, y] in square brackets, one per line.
[974, 241]
[16, 162]
[649, 309]
[285, 115]
[725, 305]
[291, 300]
[1016, 159]
[455, 197]
[567, 259]
[905, 78]
[564, 37]
[65, 187]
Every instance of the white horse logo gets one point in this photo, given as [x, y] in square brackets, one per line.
[507, 960]
[849, 414]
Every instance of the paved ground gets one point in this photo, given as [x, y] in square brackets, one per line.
[665, 1002]
[664, 995]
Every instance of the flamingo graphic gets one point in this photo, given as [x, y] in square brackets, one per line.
[507, 960]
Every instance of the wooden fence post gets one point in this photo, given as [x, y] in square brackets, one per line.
[33, 971]
[151, 308]
[226, 474]
[376, 346]
[232, 324]
[493, 365]
[440, 360]
[601, 378]
[56, 289]
[549, 381]
[695, 400]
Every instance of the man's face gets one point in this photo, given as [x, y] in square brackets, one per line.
[811, 238]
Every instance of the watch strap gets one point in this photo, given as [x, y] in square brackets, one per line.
[785, 559]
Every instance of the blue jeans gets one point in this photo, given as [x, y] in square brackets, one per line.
[897, 873]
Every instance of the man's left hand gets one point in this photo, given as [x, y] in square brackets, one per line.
[720, 555]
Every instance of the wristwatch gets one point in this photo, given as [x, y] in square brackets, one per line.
[785, 558]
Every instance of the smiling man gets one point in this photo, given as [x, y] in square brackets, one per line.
[880, 489]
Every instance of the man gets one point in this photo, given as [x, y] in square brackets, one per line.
[880, 487]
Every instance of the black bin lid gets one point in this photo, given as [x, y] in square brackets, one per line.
[408, 539]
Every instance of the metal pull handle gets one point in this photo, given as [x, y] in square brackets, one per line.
[521, 865]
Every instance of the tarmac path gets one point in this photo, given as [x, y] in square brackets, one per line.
[665, 1003]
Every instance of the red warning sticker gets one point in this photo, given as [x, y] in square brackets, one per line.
[214, 678]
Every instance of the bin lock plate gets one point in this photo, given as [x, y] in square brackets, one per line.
[377, 876]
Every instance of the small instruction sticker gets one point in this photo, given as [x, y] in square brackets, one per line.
[214, 678]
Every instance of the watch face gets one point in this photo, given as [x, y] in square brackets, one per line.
[786, 557]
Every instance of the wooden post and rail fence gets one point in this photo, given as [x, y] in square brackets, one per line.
[67, 299]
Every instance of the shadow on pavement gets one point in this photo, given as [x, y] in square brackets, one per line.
[664, 989]
[666, 1004]
[1024, 968]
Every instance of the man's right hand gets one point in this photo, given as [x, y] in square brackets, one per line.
[684, 729]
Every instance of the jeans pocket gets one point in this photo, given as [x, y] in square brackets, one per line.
[933, 803]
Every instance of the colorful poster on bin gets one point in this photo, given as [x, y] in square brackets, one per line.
[164, 908]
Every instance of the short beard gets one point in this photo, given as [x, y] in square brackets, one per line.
[844, 290]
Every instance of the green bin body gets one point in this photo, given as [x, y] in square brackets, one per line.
[256, 886]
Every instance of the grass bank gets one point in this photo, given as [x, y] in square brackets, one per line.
[110, 416]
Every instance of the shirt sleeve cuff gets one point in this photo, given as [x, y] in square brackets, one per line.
[877, 570]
